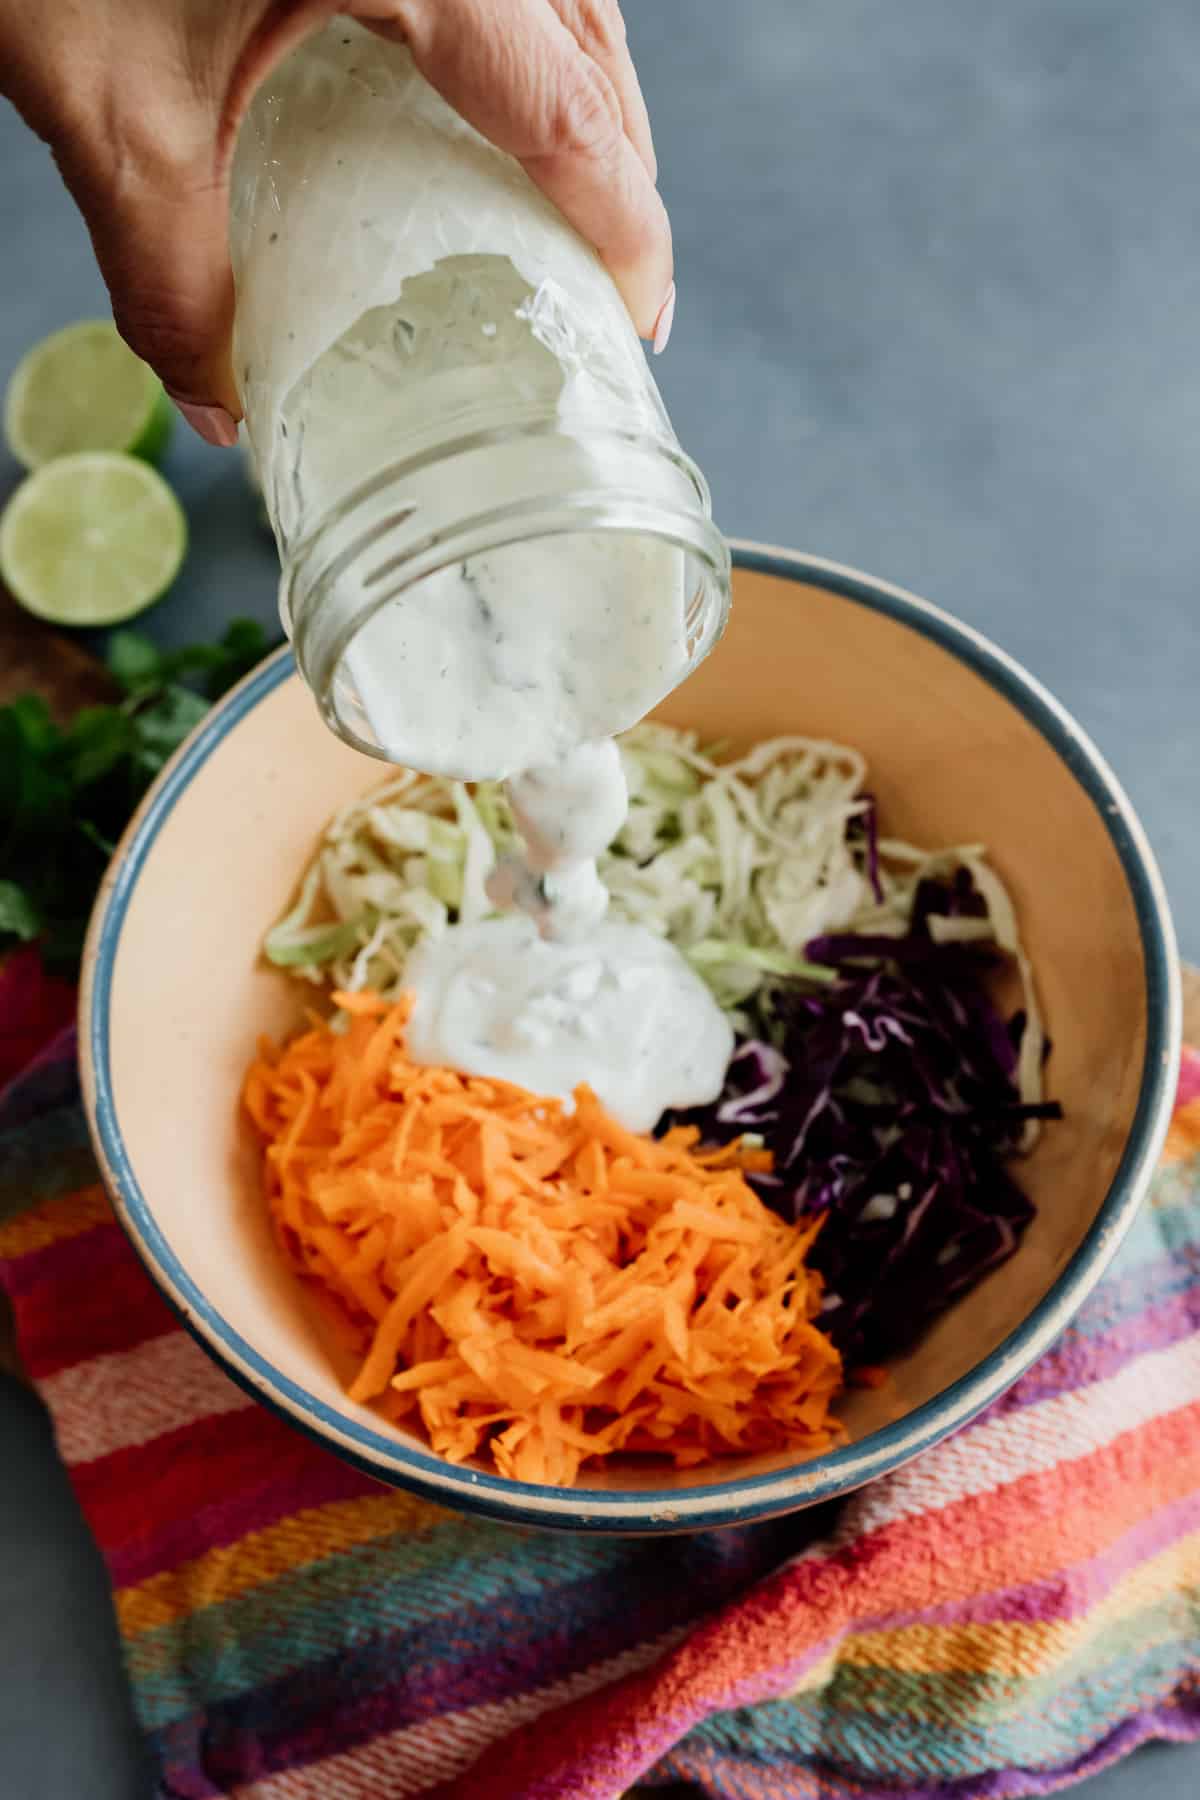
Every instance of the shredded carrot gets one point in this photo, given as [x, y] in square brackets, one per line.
[533, 1286]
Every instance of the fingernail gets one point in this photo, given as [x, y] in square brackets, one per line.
[664, 321]
[213, 423]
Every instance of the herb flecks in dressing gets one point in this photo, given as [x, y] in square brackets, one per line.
[567, 811]
[553, 995]
[621, 1011]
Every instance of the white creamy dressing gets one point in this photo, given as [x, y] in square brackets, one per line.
[553, 995]
[513, 655]
[567, 812]
[517, 663]
[408, 301]
[512, 658]
[409, 337]
[369, 220]
[621, 1011]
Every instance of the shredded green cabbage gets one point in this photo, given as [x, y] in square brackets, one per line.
[739, 863]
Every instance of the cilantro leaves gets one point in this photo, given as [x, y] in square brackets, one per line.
[66, 795]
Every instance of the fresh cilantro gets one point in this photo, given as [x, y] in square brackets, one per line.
[66, 795]
[140, 667]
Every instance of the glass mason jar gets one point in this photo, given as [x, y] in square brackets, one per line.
[492, 545]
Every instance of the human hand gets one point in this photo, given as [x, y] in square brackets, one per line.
[140, 102]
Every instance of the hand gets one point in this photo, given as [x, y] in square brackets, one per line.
[140, 101]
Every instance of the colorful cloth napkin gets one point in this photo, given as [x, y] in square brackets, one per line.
[1013, 1611]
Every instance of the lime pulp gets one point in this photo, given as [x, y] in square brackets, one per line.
[91, 539]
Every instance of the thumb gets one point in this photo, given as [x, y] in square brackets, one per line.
[160, 233]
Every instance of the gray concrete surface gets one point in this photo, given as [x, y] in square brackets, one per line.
[939, 307]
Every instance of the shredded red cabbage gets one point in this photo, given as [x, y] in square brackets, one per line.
[890, 1105]
[866, 827]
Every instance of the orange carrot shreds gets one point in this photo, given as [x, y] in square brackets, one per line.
[536, 1287]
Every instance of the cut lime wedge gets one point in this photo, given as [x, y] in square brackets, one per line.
[84, 389]
[91, 539]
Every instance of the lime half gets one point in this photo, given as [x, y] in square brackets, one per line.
[91, 539]
[84, 389]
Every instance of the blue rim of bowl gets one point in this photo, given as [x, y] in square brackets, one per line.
[740, 1500]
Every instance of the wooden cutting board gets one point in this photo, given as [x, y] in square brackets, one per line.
[36, 659]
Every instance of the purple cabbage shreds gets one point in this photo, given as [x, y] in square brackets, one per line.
[890, 1106]
[955, 897]
[865, 827]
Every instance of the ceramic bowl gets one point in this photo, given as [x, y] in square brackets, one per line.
[963, 746]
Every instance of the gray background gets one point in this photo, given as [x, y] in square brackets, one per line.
[939, 296]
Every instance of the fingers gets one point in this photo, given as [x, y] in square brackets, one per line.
[143, 134]
[161, 240]
[599, 30]
[525, 81]
[138, 150]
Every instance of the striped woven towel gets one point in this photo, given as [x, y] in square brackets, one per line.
[1017, 1608]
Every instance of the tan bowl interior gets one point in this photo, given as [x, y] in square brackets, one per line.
[951, 760]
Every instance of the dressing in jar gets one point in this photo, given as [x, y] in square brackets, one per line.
[493, 548]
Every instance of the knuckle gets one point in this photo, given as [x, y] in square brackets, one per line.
[614, 21]
[152, 155]
[162, 269]
[597, 24]
[587, 119]
[160, 328]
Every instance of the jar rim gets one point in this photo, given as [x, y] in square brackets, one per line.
[408, 550]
